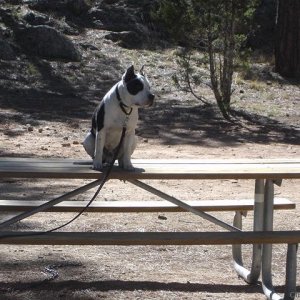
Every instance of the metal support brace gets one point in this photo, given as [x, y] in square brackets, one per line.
[251, 276]
[291, 261]
[50, 203]
[183, 205]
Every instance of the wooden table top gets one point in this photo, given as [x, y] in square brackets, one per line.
[154, 169]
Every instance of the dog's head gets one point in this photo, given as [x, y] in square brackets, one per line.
[136, 89]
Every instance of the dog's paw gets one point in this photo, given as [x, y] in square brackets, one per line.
[97, 165]
[128, 167]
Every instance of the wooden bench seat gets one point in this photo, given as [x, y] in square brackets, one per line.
[141, 206]
[150, 238]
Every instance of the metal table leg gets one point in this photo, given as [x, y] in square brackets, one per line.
[291, 272]
[251, 276]
[267, 254]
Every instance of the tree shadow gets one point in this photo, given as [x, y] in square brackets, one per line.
[174, 123]
[45, 105]
[57, 98]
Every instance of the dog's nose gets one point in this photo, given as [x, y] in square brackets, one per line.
[151, 98]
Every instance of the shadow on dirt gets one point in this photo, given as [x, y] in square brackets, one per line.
[175, 123]
[121, 285]
[14, 188]
[45, 105]
[57, 97]
[170, 121]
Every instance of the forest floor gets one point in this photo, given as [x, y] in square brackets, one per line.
[45, 110]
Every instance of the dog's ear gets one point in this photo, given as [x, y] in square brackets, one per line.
[129, 75]
[142, 70]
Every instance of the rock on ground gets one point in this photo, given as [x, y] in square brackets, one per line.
[47, 42]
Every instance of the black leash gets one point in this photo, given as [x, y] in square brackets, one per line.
[105, 177]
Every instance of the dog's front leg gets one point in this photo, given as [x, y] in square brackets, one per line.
[128, 146]
[99, 146]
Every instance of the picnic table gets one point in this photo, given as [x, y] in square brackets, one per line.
[264, 173]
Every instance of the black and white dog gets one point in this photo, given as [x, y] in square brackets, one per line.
[118, 108]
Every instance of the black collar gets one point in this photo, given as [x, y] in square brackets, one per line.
[122, 105]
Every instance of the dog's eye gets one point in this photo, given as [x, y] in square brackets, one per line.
[134, 86]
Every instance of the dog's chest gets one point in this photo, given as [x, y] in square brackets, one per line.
[115, 119]
[112, 138]
[113, 126]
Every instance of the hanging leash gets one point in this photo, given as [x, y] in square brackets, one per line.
[105, 177]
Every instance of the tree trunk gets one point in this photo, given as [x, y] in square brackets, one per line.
[287, 48]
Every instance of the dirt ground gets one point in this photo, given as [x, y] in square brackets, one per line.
[36, 122]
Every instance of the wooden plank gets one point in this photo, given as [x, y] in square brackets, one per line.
[141, 206]
[154, 169]
[157, 161]
[150, 238]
